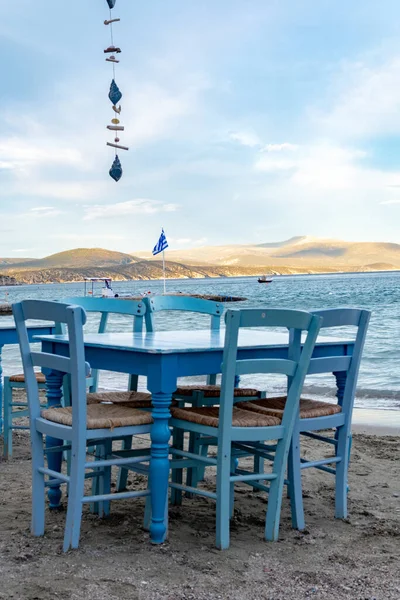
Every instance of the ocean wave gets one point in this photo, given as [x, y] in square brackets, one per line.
[361, 393]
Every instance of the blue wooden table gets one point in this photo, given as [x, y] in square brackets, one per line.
[8, 335]
[163, 357]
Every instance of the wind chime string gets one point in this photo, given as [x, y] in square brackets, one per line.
[115, 96]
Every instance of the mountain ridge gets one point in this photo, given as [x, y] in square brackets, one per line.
[299, 254]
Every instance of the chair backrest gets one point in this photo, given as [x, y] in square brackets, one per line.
[348, 366]
[105, 307]
[184, 304]
[73, 317]
[294, 368]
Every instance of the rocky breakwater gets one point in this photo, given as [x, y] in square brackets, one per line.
[8, 280]
[5, 309]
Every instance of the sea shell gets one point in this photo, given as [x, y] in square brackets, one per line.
[111, 3]
[116, 140]
[115, 93]
[115, 121]
[116, 169]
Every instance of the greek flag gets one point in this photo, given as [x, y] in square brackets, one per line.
[161, 244]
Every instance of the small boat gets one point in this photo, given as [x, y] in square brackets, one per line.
[106, 291]
[263, 279]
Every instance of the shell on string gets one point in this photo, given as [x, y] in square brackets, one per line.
[115, 93]
[111, 3]
[115, 121]
[116, 169]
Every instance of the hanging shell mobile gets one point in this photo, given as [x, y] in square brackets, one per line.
[115, 96]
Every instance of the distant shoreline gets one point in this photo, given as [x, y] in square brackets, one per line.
[205, 277]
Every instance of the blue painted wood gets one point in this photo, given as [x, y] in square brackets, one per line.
[104, 307]
[194, 353]
[196, 306]
[8, 335]
[292, 319]
[227, 434]
[185, 304]
[345, 368]
[73, 363]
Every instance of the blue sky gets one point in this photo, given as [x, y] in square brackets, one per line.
[247, 121]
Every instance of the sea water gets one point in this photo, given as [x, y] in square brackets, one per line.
[379, 380]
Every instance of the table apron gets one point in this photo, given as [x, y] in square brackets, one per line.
[187, 363]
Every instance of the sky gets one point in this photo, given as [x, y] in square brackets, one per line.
[248, 121]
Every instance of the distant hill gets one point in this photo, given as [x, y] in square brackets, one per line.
[300, 254]
[297, 252]
[293, 240]
[12, 261]
[77, 258]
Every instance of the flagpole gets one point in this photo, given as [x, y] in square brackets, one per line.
[163, 266]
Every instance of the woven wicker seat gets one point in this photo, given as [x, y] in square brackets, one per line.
[309, 409]
[214, 391]
[20, 378]
[100, 416]
[209, 415]
[132, 399]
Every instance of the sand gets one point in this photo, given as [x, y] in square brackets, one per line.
[357, 559]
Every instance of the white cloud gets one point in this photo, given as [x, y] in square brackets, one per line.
[364, 100]
[245, 138]
[286, 146]
[324, 173]
[267, 164]
[153, 112]
[186, 241]
[43, 211]
[55, 189]
[86, 237]
[17, 152]
[394, 201]
[130, 207]
[19, 250]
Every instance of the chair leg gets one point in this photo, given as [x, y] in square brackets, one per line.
[122, 479]
[341, 487]
[105, 480]
[258, 467]
[275, 496]
[196, 474]
[234, 466]
[223, 497]
[96, 508]
[76, 490]
[295, 488]
[7, 450]
[177, 474]
[38, 486]
[203, 451]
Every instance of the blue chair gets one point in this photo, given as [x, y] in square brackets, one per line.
[197, 394]
[316, 415]
[105, 307]
[238, 429]
[80, 424]
[16, 409]
[207, 394]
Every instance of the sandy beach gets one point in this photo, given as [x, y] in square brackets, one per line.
[356, 559]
